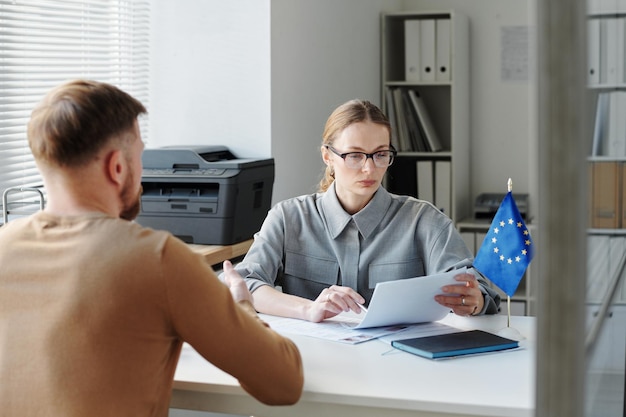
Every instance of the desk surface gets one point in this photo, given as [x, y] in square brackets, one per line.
[216, 254]
[372, 379]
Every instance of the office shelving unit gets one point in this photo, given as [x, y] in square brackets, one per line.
[447, 103]
[606, 245]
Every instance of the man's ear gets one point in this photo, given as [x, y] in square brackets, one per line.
[115, 167]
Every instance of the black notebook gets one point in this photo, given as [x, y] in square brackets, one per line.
[455, 344]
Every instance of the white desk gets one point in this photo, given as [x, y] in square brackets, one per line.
[360, 380]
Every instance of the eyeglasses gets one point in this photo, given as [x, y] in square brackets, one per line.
[356, 160]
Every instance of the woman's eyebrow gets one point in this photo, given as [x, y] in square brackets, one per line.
[359, 149]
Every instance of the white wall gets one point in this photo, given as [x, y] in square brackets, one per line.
[324, 52]
[211, 75]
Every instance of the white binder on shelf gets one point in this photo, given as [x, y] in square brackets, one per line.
[425, 180]
[597, 266]
[622, 208]
[412, 50]
[443, 187]
[617, 246]
[442, 49]
[612, 50]
[603, 57]
[606, 6]
[594, 6]
[620, 53]
[427, 49]
[616, 138]
[593, 51]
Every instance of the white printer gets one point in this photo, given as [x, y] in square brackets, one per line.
[205, 194]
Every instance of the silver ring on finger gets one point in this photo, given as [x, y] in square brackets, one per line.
[462, 301]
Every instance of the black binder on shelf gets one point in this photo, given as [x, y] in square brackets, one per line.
[393, 120]
[402, 177]
[404, 138]
[426, 124]
[416, 132]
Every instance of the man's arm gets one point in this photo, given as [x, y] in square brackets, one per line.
[227, 333]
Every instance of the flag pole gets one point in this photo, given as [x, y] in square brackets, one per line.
[509, 187]
[509, 331]
[508, 315]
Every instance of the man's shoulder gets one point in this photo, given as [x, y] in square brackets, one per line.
[139, 232]
[132, 237]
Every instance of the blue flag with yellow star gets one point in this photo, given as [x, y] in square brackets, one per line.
[507, 249]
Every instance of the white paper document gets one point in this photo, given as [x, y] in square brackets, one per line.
[408, 301]
[335, 329]
[396, 307]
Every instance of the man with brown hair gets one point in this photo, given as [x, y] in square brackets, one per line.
[94, 308]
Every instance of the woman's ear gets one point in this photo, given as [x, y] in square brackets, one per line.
[326, 156]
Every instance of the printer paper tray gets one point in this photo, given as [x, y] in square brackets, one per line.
[174, 206]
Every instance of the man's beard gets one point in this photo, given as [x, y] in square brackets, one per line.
[132, 203]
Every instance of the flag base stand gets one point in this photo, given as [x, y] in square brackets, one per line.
[510, 332]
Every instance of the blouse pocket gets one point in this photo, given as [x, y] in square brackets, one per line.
[305, 267]
[392, 271]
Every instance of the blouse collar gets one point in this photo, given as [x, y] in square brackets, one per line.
[366, 220]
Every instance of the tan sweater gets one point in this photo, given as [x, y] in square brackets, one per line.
[94, 311]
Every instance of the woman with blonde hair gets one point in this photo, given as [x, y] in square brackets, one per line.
[326, 251]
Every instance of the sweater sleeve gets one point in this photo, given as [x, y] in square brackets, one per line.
[203, 314]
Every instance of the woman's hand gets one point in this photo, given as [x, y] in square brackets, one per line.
[465, 298]
[332, 301]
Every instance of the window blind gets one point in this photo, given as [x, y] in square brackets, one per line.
[44, 43]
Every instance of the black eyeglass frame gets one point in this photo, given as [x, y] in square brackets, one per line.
[367, 155]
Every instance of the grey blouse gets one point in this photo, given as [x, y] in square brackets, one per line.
[310, 242]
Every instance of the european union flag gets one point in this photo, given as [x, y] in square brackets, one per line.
[507, 249]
